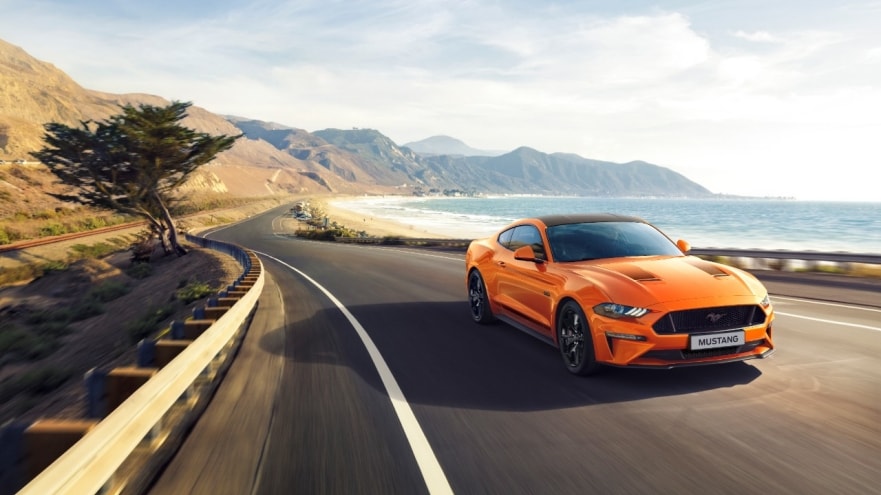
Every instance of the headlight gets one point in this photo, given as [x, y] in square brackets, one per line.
[612, 310]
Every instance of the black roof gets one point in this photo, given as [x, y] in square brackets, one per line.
[552, 220]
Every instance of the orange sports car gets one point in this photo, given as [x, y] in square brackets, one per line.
[613, 290]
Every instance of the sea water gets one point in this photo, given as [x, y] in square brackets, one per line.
[765, 224]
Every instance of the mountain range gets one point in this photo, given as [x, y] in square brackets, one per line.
[273, 158]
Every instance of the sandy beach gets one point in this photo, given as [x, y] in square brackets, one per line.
[374, 226]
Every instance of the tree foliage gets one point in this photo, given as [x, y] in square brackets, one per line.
[132, 162]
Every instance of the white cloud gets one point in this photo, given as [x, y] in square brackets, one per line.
[758, 36]
[726, 96]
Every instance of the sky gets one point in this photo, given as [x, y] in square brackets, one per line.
[751, 97]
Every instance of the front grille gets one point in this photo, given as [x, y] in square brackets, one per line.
[688, 355]
[709, 319]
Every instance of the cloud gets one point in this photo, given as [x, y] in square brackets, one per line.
[704, 86]
[758, 36]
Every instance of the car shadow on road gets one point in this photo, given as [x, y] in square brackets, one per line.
[439, 356]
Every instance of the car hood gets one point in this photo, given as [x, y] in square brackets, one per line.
[648, 281]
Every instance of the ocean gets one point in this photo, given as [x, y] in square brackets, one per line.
[766, 224]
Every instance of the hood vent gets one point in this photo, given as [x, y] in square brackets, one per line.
[705, 266]
[638, 274]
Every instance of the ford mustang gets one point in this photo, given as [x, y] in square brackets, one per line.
[614, 290]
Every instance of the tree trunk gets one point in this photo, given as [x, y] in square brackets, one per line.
[169, 225]
[158, 230]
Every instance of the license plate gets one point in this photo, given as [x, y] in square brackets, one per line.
[714, 340]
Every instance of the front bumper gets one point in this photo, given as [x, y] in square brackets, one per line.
[671, 351]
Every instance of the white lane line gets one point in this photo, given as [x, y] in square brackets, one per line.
[822, 303]
[432, 472]
[833, 322]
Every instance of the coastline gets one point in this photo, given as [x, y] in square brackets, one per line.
[339, 209]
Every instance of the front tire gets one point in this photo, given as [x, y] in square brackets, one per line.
[478, 299]
[574, 340]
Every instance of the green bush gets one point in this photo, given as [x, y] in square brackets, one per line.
[52, 229]
[194, 291]
[139, 270]
[19, 344]
[53, 266]
[78, 311]
[85, 310]
[108, 291]
[37, 382]
[52, 329]
[93, 251]
[148, 323]
[93, 223]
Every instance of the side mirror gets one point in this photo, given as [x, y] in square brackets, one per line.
[525, 253]
[683, 246]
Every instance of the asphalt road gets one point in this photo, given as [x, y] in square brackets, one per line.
[399, 392]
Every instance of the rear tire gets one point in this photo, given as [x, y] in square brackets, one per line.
[478, 299]
[574, 340]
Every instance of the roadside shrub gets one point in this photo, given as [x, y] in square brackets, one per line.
[85, 310]
[108, 291]
[193, 291]
[78, 311]
[52, 329]
[52, 229]
[9, 234]
[18, 273]
[36, 382]
[148, 323]
[93, 251]
[391, 240]
[316, 235]
[18, 344]
[53, 266]
[93, 223]
[139, 270]
[45, 215]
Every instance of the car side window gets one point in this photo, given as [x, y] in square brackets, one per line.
[527, 235]
[505, 238]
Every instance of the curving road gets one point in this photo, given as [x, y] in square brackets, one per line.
[363, 373]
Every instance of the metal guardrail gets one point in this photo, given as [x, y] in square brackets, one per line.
[93, 464]
[835, 257]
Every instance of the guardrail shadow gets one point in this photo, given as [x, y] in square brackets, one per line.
[440, 357]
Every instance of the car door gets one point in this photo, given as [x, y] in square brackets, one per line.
[525, 287]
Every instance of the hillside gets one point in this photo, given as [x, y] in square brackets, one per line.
[274, 159]
[33, 92]
[446, 145]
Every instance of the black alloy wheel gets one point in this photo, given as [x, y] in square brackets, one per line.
[574, 340]
[480, 310]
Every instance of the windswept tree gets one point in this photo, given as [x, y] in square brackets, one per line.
[132, 162]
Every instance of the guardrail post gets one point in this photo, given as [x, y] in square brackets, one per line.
[189, 329]
[45, 441]
[122, 382]
[146, 352]
[11, 457]
[167, 350]
[95, 381]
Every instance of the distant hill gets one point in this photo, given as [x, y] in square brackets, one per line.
[446, 145]
[524, 170]
[274, 158]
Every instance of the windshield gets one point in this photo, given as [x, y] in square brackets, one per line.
[590, 241]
